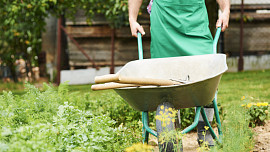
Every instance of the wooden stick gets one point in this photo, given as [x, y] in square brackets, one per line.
[111, 86]
[107, 78]
[145, 81]
[133, 80]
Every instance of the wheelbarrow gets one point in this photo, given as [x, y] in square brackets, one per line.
[184, 82]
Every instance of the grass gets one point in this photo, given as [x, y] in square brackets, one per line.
[16, 88]
[235, 85]
[87, 89]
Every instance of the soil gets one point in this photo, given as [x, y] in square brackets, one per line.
[261, 139]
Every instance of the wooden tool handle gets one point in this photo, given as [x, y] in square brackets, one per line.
[133, 80]
[145, 81]
[111, 86]
[107, 78]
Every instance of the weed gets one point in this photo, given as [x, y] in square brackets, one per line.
[169, 139]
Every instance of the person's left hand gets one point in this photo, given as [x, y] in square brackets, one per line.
[223, 20]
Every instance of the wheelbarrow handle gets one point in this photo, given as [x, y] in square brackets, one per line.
[216, 39]
[140, 48]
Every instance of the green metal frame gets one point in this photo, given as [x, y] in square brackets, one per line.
[145, 120]
[146, 129]
[195, 123]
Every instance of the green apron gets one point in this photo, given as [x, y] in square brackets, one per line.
[179, 28]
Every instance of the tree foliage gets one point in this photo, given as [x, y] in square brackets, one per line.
[21, 25]
[23, 21]
[115, 11]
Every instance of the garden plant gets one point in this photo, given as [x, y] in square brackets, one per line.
[73, 118]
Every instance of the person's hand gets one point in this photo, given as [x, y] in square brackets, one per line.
[223, 20]
[136, 27]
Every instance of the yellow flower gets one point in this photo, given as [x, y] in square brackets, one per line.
[27, 42]
[249, 105]
[139, 147]
[173, 120]
[161, 112]
[242, 105]
[203, 133]
[264, 104]
[166, 110]
[170, 109]
[16, 34]
[163, 124]
[206, 127]
[129, 149]
[259, 104]
[162, 107]
[243, 98]
[29, 6]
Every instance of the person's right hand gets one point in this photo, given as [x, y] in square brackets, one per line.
[136, 27]
[223, 20]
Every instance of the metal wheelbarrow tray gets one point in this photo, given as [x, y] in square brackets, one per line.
[200, 75]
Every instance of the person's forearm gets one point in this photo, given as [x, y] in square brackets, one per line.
[134, 7]
[223, 20]
[224, 5]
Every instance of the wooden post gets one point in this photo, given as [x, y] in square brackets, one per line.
[59, 48]
[241, 59]
[112, 51]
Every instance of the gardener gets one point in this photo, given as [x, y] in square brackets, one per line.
[180, 28]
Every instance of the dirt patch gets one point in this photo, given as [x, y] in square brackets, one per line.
[190, 143]
[262, 138]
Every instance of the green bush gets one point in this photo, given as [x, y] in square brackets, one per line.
[258, 113]
[256, 110]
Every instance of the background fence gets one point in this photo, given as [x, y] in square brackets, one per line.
[256, 28]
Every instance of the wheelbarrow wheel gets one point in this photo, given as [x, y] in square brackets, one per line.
[166, 130]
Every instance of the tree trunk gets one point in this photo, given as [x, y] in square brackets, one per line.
[12, 68]
[31, 78]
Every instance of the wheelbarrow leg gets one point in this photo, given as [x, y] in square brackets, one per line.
[219, 140]
[146, 129]
[217, 118]
[195, 123]
[145, 133]
[204, 135]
